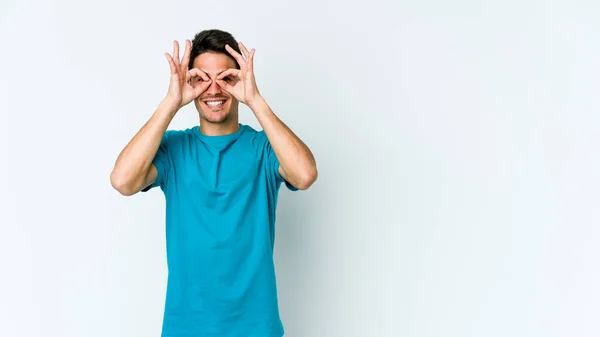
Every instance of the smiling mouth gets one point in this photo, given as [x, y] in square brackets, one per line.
[215, 104]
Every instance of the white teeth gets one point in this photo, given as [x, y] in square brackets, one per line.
[215, 103]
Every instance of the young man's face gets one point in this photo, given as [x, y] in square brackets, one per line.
[213, 64]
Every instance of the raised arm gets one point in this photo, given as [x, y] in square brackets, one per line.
[297, 163]
[133, 168]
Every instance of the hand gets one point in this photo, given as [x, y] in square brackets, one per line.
[244, 89]
[181, 92]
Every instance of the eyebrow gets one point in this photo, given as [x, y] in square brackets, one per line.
[217, 74]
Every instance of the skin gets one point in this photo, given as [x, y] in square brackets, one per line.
[213, 77]
[216, 120]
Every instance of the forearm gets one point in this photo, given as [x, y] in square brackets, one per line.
[133, 163]
[295, 158]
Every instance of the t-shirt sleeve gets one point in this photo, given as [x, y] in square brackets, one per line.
[273, 165]
[162, 162]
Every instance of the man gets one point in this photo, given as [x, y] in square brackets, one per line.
[221, 181]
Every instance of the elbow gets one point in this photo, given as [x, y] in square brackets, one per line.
[308, 179]
[120, 183]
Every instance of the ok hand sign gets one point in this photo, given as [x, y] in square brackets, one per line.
[244, 89]
[181, 92]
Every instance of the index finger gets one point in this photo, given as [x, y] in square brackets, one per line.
[230, 71]
[195, 72]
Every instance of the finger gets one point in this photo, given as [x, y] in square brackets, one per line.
[189, 78]
[249, 57]
[198, 86]
[171, 63]
[229, 72]
[226, 86]
[186, 55]
[195, 72]
[176, 53]
[201, 87]
[251, 60]
[244, 50]
[236, 55]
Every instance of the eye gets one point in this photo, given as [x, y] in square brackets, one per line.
[227, 79]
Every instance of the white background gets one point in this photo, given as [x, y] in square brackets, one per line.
[456, 141]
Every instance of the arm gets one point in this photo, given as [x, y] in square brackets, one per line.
[134, 169]
[297, 164]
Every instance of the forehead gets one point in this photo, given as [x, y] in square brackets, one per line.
[212, 63]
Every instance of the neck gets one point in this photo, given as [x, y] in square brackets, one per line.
[231, 125]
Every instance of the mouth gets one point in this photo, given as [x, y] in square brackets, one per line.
[215, 104]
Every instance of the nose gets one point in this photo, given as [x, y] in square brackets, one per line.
[214, 88]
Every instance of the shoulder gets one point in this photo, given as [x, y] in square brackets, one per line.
[257, 137]
[173, 137]
[252, 136]
[248, 131]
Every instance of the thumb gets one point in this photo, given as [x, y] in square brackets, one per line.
[223, 84]
[200, 88]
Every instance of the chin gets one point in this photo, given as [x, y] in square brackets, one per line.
[212, 117]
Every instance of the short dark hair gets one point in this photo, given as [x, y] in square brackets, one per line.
[213, 41]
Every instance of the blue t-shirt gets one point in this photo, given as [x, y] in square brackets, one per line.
[221, 195]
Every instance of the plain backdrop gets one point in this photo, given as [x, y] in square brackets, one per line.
[456, 141]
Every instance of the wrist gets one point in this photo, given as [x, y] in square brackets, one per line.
[257, 104]
[169, 106]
